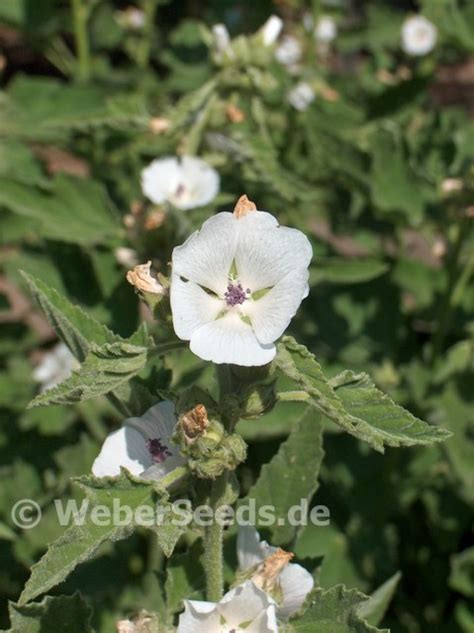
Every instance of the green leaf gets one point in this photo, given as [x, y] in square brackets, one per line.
[346, 271]
[185, 578]
[462, 572]
[105, 369]
[61, 613]
[353, 402]
[80, 542]
[332, 611]
[76, 210]
[292, 475]
[376, 606]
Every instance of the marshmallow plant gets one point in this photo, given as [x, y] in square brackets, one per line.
[234, 287]
[418, 35]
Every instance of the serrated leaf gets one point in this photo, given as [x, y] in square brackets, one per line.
[80, 542]
[75, 210]
[346, 271]
[104, 369]
[292, 475]
[376, 606]
[61, 613]
[332, 611]
[462, 572]
[354, 403]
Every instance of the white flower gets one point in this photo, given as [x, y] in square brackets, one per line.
[131, 18]
[143, 446]
[244, 609]
[295, 582]
[326, 30]
[56, 366]
[221, 37]
[418, 35]
[301, 96]
[271, 30]
[288, 52]
[236, 284]
[185, 182]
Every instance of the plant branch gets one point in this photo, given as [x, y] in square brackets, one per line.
[80, 15]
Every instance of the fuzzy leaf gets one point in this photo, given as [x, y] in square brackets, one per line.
[353, 402]
[332, 611]
[80, 542]
[61, 613]
[374, 609]
[346, 271]
[291, 475]
[105, 369]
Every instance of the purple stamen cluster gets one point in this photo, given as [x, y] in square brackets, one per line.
[235, 294]
[159, 453]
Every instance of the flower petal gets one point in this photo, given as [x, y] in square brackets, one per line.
[243, 604]
[200, 180]
[250, 551]
[206, 256]
[296, 582]
[199, 617]
[266, 622]
[267, 252]
[230, 340]
[271, 314]
[125, 447]
[161, 179]
[191, 306]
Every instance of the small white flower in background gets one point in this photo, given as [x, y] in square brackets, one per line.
[221, 38]
[288, 52]
[143, 446]
[271, 30]
[245, 608]
[326, 30]
[301, 96]
[131, 18]
[55, 367]
[418, 36]
[237, 283]
[185, 182]
[126, 256]
[271, 570]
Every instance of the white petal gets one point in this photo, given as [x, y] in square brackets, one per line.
[243, 604]
[266, 252]
[271, 314]
[230, 340]
[266, 622]
[296, 582]
[191, 306]
[199, 617]
[207, 255]
[160, 179]
[125, 447]
[250, 551]
[201, 183]
[271, 30]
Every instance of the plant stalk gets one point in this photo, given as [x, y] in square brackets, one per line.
[213, 543]
[80, 14]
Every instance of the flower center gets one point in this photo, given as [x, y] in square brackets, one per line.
[235, 294]
[159, 453]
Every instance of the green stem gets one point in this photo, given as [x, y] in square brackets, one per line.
[175, 475]
[293, 396]
[144, 50]
[80, 15]
[213, 543]
[447, 300]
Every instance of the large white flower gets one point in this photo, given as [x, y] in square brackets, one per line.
[301, 96]
[236, 284]
[55, 367]
[288, 52]
[294, 581]
[185, 182]
[245, 609]
[325, 30]
[418, 35]
[143, 446]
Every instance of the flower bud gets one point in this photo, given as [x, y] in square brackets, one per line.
[194, 423]
[151, 289]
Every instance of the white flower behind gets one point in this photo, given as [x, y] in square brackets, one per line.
[289, 52]
[419, 36]
[326, 30]
[244, 609]
[185, 182]
[301, 96]
[55, 367]
[271, 30]
[142, 445]
[236, 284]
[294, 581]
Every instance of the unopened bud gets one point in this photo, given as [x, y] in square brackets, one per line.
[243, 207]
[234, 114]
[141, 278]
[158, 125]
[194, 423]
[451, 185]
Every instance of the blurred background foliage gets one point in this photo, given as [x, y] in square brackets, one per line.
[378, 171]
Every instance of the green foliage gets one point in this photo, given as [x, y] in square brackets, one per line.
[67, 613]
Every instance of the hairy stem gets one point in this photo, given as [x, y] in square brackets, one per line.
[80, 14]
[213, 543]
